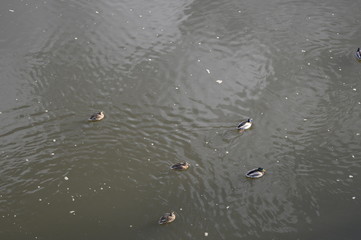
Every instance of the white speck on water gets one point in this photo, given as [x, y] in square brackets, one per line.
[209, 72]
[27, 160]
[11, 10]
[219, 81]
[101, 188]
[333, 14]
[331, 57]
[357, 134]
[38, 186]
[75, 38]
[198, 60]
[297, 93]
[239, 11]
[152, 144]
[176, 88]
[40, 199]
[217, 37]
[206, 234]
[305, 119]
[350, 176]
[227, 152]
[340, 69]
[130, 226]
[359, 102]
[72, 212]
[75, 145]
[180, 209]
[149, 59]
[286, 137]
[66, 178]
[227, 207]
[46, 110]
[308, 64]
[148, 159]
[52, 154]
[353, 197]
[197, 164]
[303, 51]
[96, 12]
[199, 43]
[140, 16]
[206, 142]
[0, 112]
[353, 156]
[354, 89]
[54, 140]
[337, 180]
[286, 98]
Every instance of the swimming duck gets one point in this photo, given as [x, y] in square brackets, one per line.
[180, 166]
[358, 54]
[255, 173]
[97, 116]
[245, 124]
[167, 218]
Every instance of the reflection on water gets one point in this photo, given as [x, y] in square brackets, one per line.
[174, 79]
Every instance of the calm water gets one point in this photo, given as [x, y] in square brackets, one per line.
[174, 78]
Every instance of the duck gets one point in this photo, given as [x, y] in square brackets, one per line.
[97, 116]
[180, 166]
[167, 218]
[256, 173]
[358, 54]
[245, 124]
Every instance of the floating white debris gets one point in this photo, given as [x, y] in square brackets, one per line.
[130, 226]
[66, 178]
[353, 197]
[11, 10]
[209, 72]
[353, 156]
[72, 212]
[54, 140]
[337, 180]
[27, 160]
[286, 137]
[350, 176]
[305, 119]
[75, 38]
[96, 12]
[206, 234]
[46, 110]
[303, 51]
[308, 64]
[219, 81]
[152, 144]
[176, 88]
[227, 207]
[52, 154]
[286, 98]
[354, 89]
[227, 152]
[180, 209]
[340, 69]
[217, 37]
[357, 134]
[198, 60]
[40, 199]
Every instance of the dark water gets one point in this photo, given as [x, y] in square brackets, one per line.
[174, 78]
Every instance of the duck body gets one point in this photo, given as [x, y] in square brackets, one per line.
[180, 166]
[358, 54]
[97, 116]
[245, 124]
[167, 218]
[255, 173]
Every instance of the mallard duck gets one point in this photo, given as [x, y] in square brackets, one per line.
[97, 116]
[358, 54]
[255, 173]
[245, 124]
[167, 218]
[180, 166]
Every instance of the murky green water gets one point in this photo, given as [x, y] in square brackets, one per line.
[174, 79]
